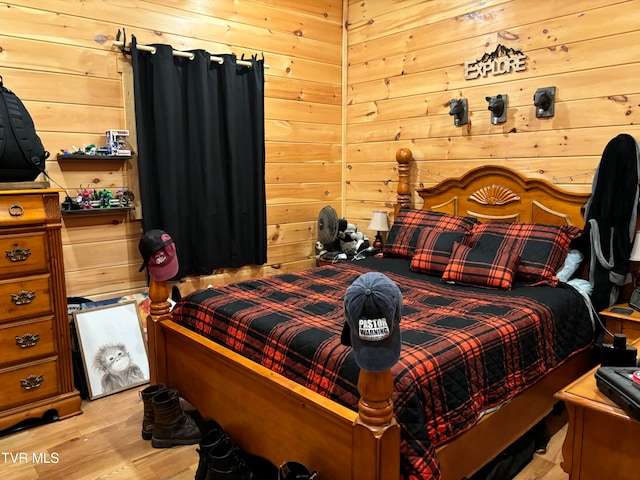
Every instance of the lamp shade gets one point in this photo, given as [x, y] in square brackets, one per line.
[379, 221]
[635, 250]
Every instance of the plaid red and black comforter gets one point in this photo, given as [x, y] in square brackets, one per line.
[464, 349]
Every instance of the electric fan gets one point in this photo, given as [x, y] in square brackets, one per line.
[327, 226]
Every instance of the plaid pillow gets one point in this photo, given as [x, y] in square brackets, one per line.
[406, 228]
[542, 248]
[481, 268]
[433, 251]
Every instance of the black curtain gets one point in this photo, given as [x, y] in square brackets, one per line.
[200, 132]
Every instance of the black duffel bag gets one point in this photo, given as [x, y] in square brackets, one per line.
[22, 155]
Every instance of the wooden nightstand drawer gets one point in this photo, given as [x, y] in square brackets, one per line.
[26, 341]
[621, 318]
[34, 381]
[23, 254]
[25, 298]
[631, 331]
[22, 210]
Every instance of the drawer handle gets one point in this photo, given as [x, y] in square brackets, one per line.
[16, 210]
[23, 297]
[31, 382]
[27, 340]
[18, 254]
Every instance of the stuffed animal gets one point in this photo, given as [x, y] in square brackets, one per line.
[362, 242]
[320, 249]
[352, 241]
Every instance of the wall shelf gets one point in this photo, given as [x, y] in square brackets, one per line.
[93, 158]
[97, 211]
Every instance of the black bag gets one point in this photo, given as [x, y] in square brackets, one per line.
[22, 155]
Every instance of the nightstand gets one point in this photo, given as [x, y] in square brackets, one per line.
[625, 323]
[601, 439]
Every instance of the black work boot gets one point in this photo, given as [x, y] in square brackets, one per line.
[295, 471]
[209, 441]
[227, 463]
[147, 417]
[171, 425]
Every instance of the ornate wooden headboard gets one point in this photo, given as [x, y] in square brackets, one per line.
[500, 194]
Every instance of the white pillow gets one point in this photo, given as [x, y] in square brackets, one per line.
[585, 289]
[571, 264]
[581, 285]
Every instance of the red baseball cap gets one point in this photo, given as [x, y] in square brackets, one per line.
[159, 255]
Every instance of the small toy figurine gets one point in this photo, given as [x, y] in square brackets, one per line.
[105, 197]
[125, 196]
[86, 194]
[117, 142]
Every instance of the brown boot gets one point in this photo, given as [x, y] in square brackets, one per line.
[171, 425]
[147, 418]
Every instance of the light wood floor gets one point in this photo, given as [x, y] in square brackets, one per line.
[104, 443]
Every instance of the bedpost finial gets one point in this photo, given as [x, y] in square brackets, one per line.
[404, 155]
[375, 407]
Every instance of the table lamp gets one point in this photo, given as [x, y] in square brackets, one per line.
[379, 223]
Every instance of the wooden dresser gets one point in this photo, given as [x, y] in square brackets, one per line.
[36, 374]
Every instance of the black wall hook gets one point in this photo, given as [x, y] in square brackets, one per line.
[544, 100]
[458, 108]
[498, 107]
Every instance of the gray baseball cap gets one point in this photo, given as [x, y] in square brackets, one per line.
[372, 309]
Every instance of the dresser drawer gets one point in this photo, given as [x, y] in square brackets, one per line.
[23, 254]
[25, 298]
[22, 210]
[26, 341]
[19, 386]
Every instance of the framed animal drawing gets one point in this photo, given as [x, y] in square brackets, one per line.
[113, 349]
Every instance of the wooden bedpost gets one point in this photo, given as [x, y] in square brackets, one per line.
[376, 429]
[404, 156]
[159, 309]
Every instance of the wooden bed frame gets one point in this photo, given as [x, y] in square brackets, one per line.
[271, 416]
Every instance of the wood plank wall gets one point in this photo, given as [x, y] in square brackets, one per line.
[405, 63]
[58, 58]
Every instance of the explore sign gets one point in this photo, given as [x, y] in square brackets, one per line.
[502, 60]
